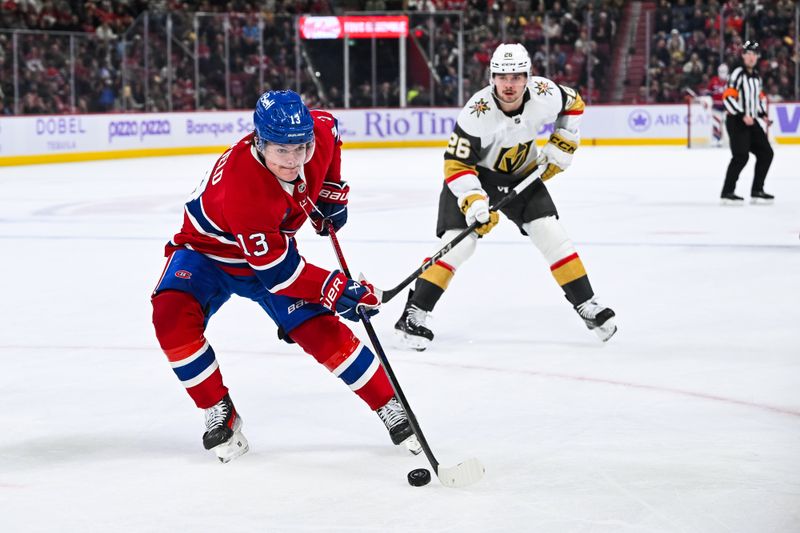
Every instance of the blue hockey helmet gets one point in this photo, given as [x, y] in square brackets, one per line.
[282, 117]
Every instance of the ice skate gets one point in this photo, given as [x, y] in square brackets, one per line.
[223, 433]
[411, 328]
[598, 318]
[729, 198]
[396, 421]
[761, 198]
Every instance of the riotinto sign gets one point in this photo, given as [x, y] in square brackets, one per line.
[788, 119]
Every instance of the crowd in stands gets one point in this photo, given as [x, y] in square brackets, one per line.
[691, 40]
[571, 41]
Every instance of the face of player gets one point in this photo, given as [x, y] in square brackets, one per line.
[750, 59]
[509, 88]
[285, 160]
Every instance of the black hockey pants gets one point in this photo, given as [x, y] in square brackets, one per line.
[744, 139]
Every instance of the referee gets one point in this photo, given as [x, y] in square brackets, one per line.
[744, 104]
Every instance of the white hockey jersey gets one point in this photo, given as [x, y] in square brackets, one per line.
[492, 147]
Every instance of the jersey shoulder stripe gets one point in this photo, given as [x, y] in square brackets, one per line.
[203, 223]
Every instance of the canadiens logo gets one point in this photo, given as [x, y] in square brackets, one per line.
[542, 87]
[511, 159]
[183, 274]
[479, 107]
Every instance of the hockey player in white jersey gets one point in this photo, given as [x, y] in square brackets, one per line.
[490, 151]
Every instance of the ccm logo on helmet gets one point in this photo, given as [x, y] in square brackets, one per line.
[183, 274]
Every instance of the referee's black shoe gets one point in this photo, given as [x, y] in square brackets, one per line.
[761, 197]
[729, 198]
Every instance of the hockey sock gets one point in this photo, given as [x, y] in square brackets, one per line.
[434, 281]
[567, 268]
[334, 346]
[430, 286]
[180, 324]
[571, 276]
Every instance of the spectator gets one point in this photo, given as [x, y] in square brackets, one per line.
[105, 33]
[676, 45]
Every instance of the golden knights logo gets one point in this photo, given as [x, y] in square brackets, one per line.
[542, 87]
[479, 107]
[509, 160]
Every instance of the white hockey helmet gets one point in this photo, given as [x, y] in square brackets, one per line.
[722, 71]
[510, 59]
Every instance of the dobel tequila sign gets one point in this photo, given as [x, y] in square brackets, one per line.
[391, 27]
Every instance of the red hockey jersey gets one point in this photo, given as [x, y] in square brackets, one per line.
[715, 88]
[244, 218]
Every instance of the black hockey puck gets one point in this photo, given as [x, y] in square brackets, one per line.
[419, 477]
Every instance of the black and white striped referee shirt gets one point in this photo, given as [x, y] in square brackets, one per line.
[744, 96]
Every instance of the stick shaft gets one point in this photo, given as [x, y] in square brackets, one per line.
[373, 337]
[508, 198]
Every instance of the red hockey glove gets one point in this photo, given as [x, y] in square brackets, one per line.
[345, 296]
[331, 204]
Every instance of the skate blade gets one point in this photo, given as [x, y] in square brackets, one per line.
[230, 450]
[607, 330]
[729, 203]
[410, 341]
[412, 444]
[761, 201]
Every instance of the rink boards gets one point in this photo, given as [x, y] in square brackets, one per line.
[64, 138]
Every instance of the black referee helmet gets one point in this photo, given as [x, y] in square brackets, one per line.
[750, 46]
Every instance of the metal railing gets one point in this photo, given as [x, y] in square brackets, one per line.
[173, 61]
[728, 29]
[56, 72]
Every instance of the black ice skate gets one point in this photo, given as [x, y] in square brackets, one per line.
[411, 329]
[729, 198]
[224, 431]
[394, 417]
[761, 198]
[598, 319]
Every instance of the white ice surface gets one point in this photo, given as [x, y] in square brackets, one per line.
[687, 421]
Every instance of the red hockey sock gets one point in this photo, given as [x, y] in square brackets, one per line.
[179, 323]
[333, 345]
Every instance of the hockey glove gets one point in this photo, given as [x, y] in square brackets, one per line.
[475, 206]
[345, 296]
[557, 153]
[331, 205]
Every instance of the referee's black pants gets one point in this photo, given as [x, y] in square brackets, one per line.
[745, 139]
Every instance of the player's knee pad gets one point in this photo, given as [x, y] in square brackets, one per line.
[442, 272]
[177, 318]
[549, 237]
[462, 251]
[322, 336]
[180, 323]
[333, 345]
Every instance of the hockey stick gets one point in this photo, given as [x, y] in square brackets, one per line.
[387, 295]
[461, 475]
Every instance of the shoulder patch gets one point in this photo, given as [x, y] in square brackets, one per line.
[542, 87]
[480, 107]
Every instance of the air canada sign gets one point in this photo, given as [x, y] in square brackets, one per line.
[390, 27]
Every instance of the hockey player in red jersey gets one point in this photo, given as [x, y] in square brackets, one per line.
[238, 238]
[717, 86]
